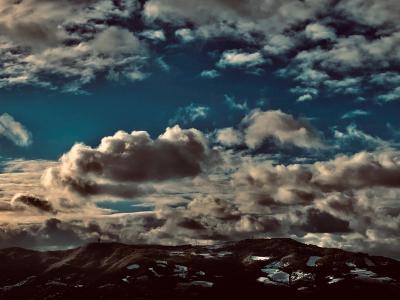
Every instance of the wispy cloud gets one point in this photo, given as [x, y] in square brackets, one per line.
[240, 59]
[189, 114]
[14, 131]
[235, 105]
[355, 113]
[211, 74]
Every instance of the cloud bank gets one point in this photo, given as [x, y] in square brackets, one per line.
[204, 193]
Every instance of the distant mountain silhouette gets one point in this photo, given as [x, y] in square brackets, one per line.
[257, 268]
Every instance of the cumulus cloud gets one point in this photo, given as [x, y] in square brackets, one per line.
[46, 37]
[43, 37]
[306, 93]
[392, 95]
[340, 197]
[275, 126]
[121, 162]
[286, 29]
[155, 35]
[382, 13]
[317, 31]
[233, 18]
[185, 35]
[316, 67]
[350, 200]
[238, 59]
[280, 44]
[344, 173]
[283, 127]
[305, 97]
[360, 170]
[68, 39]
[115, 41]
[14, 131]
[229, 137]
[347, 201]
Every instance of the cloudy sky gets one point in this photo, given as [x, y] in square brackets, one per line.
[188, 121]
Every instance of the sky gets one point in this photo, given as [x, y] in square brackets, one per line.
[187, 121]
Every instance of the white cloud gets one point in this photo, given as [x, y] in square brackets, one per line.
[232, 18]
[280, 44]
[305, 97]
[22, 176]
[155, 35]
[229, 137]
[35, 35]
[234, 105]
[163, 64]
[284, 128]
[354, 138]
[318, 31]
[210, 74]
[190, 113]
[123, 164]
[392, 95]
[304, 90]
[185, 35]
[345, 85]
[348, 201]
[14, 131]
[115, 41]
[355, 113]
[239, 59]
[374, 13]
[385, 78]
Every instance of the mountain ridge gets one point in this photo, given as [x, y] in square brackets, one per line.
[278, 266]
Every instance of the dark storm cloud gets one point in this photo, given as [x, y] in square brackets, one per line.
[212, 218]
[54, 234]
[21, 201]
[318, 221]
[51, 233]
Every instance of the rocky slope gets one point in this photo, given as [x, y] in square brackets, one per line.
[249, 268]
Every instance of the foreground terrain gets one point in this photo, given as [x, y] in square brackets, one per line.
[249, 268]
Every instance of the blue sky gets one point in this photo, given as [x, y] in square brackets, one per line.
[106, 107]
[287, 114]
